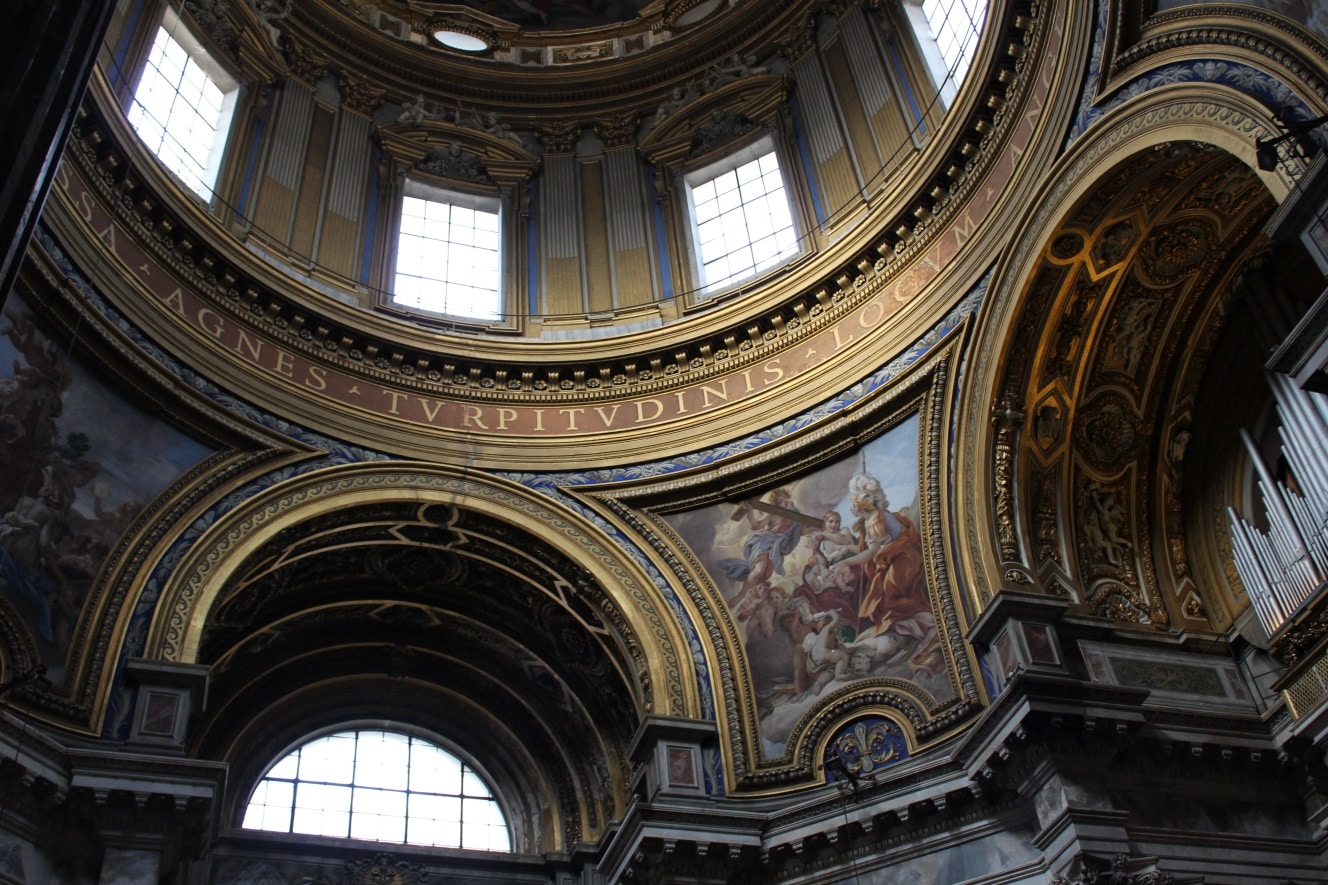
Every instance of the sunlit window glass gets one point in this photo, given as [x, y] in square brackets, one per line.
[947, 32]
[380, 786]
[742, 220]
[182, 108]
[448, 251]
[956, 26]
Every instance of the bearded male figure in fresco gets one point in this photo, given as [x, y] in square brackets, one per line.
[894, 586]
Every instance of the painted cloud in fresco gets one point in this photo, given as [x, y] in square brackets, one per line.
[77, 464]
[826, 580]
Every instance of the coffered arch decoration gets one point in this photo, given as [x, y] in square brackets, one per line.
[462, 605]
[1098, 366]
[818, 567]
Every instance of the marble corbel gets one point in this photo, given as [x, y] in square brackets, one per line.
[668, 754]
[1018, 630]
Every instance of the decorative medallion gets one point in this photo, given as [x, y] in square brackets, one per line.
[1107, 433]
[863, 748]
[1175, 249]
[1066, 246]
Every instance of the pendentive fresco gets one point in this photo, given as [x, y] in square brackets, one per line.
[78, 463]
[826, 578]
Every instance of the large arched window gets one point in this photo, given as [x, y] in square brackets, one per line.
[383, 786]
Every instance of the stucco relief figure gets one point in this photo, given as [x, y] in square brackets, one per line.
[736, 68]
[498, 129]
[269, 13]
[820, 605]
[415, 112]
[679, 97]
[1104, 523]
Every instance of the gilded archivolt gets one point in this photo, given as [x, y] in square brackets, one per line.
[1157, 246]
[1003, 355]
[175, 631]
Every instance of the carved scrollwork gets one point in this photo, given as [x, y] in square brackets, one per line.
[1107, 432]
[213, 16]
[723, 127]
[358, 94]
[618, 131]
[384, 869]
[559, 138]
[1007, 419]
[1117, 601]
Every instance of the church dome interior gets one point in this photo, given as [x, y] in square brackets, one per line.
[596, 441]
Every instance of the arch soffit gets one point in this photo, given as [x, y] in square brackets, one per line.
[658, 644]
[1207, 114]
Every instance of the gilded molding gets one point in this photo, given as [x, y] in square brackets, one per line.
[1001, 353]
[573, 59]
[1007, 419]
[703, 354]
[1213, 30]
[745, 345]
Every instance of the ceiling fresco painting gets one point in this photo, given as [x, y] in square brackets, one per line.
[826, 579]
[912, 557]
